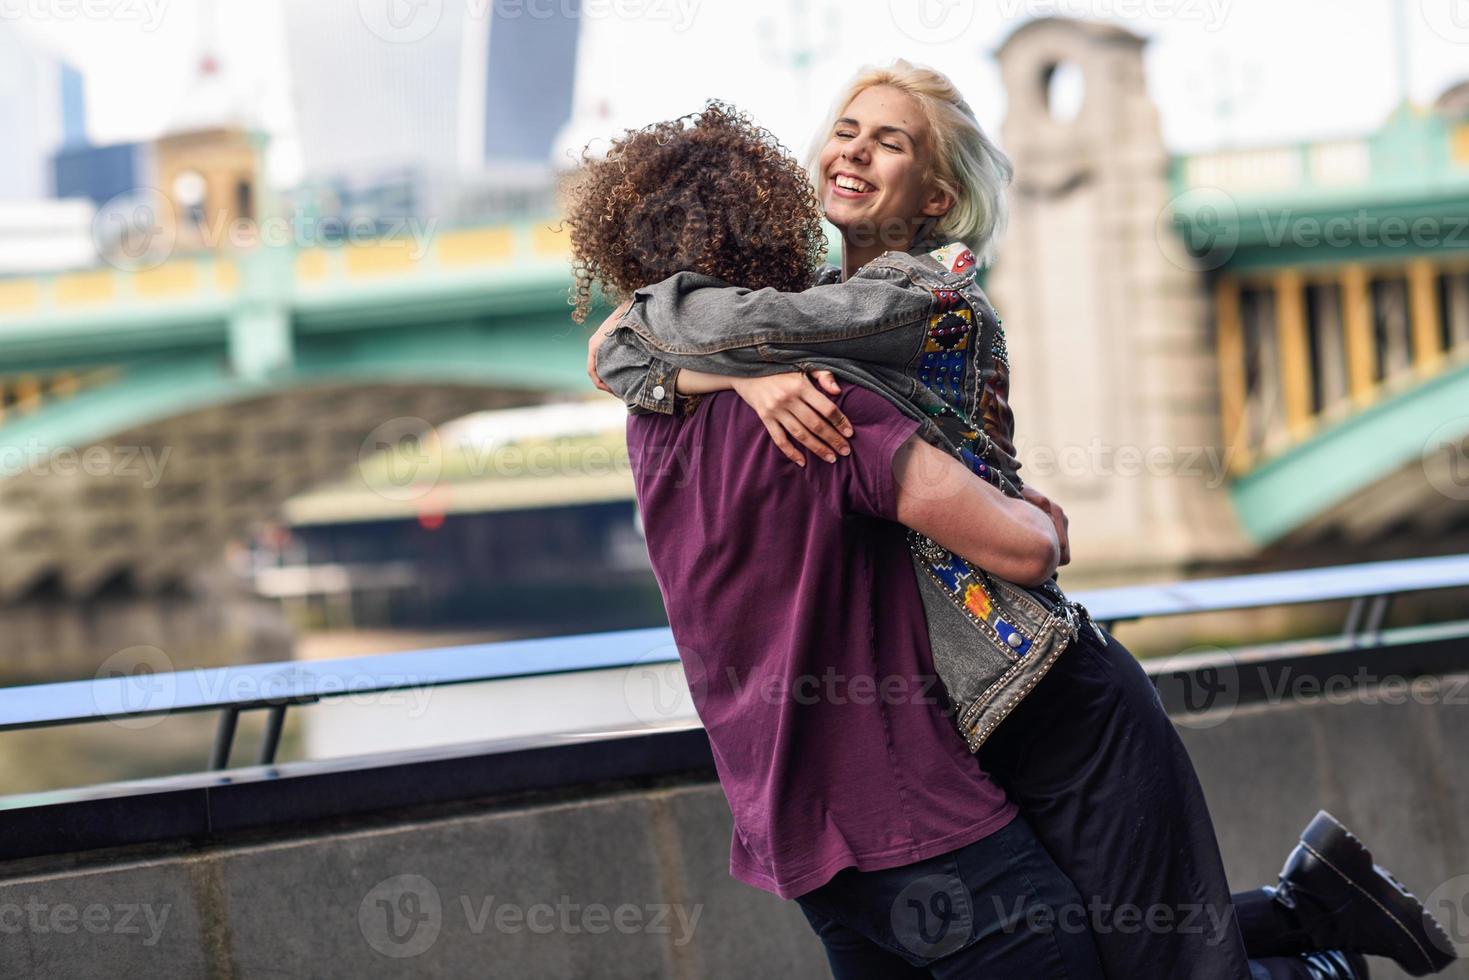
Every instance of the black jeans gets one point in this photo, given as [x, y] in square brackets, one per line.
[1106, 784]
[986, 909]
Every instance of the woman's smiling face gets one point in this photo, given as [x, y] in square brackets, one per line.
[875, 168]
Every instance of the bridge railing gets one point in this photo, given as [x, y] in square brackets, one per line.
[275, 687]
[1201, 689]
[1302, 348]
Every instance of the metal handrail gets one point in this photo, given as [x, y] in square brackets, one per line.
[275, 686]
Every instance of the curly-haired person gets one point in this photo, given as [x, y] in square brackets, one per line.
[650, 208]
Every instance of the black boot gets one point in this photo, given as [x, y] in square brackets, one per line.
[1345, 902]
[1336, 965]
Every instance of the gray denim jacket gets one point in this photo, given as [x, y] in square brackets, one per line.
[916, 329]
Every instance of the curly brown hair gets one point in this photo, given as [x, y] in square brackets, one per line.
[710, 192]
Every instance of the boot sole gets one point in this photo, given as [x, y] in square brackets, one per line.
[1339, 849]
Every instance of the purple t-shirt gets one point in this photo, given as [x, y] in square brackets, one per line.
[796, 612]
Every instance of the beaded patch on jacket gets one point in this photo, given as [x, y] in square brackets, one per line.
[947, 360]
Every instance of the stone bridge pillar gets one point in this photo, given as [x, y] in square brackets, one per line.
[1114, 376]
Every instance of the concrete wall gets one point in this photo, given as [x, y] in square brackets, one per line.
[634, 882]
[1390, 763]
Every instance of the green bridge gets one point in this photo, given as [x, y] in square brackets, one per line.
[1340, 277]
[151, 415]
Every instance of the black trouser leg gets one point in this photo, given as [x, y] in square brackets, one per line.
[1101, 775]
[995, 908]
[1269, 928]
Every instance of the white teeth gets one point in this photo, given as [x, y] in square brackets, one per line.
[852, 184]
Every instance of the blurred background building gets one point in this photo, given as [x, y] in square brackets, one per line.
[43, 114]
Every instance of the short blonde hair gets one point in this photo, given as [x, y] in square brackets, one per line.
[965, 162]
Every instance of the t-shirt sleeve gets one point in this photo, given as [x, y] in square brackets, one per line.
[865, 478]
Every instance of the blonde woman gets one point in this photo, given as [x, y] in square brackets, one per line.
[1080, 740]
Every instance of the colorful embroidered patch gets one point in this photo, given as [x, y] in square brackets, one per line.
[977, 601]
[965, 588]
[944, 361]
[955, 257]
[948, 299]
[950, 331]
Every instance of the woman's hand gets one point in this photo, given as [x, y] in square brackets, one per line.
[1058, 518]
[793, 407]
[595, 340]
